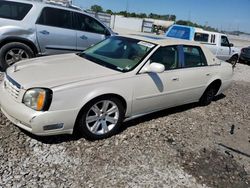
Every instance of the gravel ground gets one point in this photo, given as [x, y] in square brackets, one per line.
[188, 146]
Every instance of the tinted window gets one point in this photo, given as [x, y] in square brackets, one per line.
[179, 32]
[13, 10]
[201, 37]
[168, 56]
[194, 57]
[56, 18]
[224, 41]
[86, 23]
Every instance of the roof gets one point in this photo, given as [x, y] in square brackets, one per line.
[161, 40]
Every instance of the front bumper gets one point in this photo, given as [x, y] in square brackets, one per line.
[37, 122]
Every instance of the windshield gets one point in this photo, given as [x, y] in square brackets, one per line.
[119, 53]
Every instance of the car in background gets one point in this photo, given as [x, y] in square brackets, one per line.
[217, 43]
[121, 78]
[245, 55]
[31, 28]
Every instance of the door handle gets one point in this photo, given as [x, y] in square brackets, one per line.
[44, 32]
[83, 37]
[208, 74]
[175, 79]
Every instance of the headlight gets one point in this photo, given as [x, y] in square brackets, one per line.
[38, 99]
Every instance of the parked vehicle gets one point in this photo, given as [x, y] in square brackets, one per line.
[218, 43]
[29, 29]
[245, 55]
[121, 78]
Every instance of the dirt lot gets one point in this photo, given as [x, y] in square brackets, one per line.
[188, 146]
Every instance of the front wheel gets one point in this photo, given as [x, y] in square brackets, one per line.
[233, 60]
[13, 52]
[101, 118]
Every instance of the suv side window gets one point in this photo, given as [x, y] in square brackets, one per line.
[14, 10]
[86, 23]
[194, 57]
[224, 41]
[168, 56]
[56, 18]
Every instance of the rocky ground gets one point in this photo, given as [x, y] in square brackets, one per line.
[188, 146]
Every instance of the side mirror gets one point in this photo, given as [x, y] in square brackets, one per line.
[153, 67]
[107, 33]
[231, 45]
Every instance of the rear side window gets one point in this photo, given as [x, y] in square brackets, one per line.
[86, 23]
[201, 37]
[56, 18]
[14, 10]
[194, 56]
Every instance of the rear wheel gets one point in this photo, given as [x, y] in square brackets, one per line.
[13, 52]
[100, 119]
[208, 96]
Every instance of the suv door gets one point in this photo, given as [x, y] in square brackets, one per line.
[89, 31]
[225, 49]
[55, 32]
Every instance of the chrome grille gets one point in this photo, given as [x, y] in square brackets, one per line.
[12, 87]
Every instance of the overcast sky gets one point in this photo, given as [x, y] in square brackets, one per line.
[222, 14]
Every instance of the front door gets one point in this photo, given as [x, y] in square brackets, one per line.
[155, 91]
[89, 31]
[224, 50]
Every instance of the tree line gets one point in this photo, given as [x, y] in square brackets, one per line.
[168, 17]
[97, 8]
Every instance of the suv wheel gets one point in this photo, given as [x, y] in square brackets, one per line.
[13, 52]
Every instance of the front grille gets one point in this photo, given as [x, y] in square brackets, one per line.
[12, 87]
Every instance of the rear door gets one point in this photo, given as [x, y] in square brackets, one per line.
[89, 31]
[194, 74]
[55, 32]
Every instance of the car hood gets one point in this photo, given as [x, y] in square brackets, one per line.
[56, 71]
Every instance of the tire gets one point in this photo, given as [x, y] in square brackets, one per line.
[101, 118]
[233, 60]
[13, 52]
[208, 96]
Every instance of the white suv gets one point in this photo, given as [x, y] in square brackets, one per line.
[29, 29]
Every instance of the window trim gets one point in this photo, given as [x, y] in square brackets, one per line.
[72, 19]
[200, 50]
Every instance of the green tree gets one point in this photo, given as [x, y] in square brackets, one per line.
[96, 8]
[109, 11]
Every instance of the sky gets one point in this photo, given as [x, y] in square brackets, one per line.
[221, 14]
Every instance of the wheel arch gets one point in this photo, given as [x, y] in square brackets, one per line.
[21, 40]
[119, 97]
[217, 83]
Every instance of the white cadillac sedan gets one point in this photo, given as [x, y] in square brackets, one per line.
[121, 78]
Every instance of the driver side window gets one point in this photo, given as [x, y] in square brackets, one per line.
[224, 41]
[168, 56]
